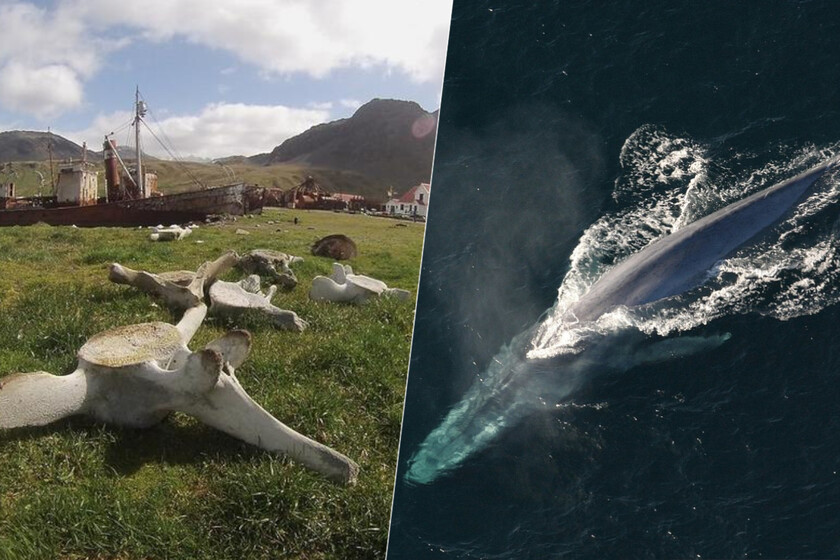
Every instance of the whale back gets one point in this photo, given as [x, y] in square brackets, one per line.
[679, 261]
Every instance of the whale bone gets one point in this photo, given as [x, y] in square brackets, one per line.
[234, 298]
[136, 375]
[273, 264]
[171, 233]
[345, 286]
[180, 289]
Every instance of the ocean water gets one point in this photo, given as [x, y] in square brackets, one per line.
[572, 134]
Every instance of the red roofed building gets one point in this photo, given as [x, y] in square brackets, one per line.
[412, 203]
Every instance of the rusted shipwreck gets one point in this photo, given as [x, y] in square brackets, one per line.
[310, 195]
[132, 198]
[169, 209]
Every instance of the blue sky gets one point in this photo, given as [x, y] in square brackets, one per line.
[220, 78]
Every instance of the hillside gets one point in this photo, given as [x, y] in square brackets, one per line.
[24, 145]
[390, 141]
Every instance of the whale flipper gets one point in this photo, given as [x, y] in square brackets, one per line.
[679, 347]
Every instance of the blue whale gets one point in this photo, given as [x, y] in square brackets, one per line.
[678, 262]
[669, 266]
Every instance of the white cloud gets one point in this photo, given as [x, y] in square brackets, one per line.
[219, 130]
[116, 122]
[69, 41]
[351, 103]
[292, 36]
[37, 37]
[43, 91]
[44, 59]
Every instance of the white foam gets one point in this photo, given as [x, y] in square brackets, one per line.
[666, 184]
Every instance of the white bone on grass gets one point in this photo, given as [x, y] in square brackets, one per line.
[136, 375]
[345, 287]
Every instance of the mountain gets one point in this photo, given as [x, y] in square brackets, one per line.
[23, 145]
[390, 141]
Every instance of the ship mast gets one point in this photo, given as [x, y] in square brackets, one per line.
[53, 184]
[139, 112]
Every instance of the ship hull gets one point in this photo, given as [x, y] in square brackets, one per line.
[191, 206]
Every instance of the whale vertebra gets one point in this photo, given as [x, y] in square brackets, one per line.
[667, 267]
[135, 375]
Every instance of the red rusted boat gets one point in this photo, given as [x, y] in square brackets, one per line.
[132, 197]
[192, 206]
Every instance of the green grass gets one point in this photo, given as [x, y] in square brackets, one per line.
[78, 489]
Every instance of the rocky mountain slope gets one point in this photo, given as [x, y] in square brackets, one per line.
[24, 145]
[390, 141]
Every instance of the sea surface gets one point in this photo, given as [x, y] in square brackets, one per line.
[572, 134]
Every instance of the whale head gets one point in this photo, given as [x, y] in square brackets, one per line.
[511, 387]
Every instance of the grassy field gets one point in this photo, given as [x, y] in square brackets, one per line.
[78, 489]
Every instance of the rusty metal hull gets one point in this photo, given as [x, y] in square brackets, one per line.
[179, 208]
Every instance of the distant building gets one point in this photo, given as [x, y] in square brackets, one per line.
[412, 203]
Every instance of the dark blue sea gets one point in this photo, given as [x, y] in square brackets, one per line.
[572, 134]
